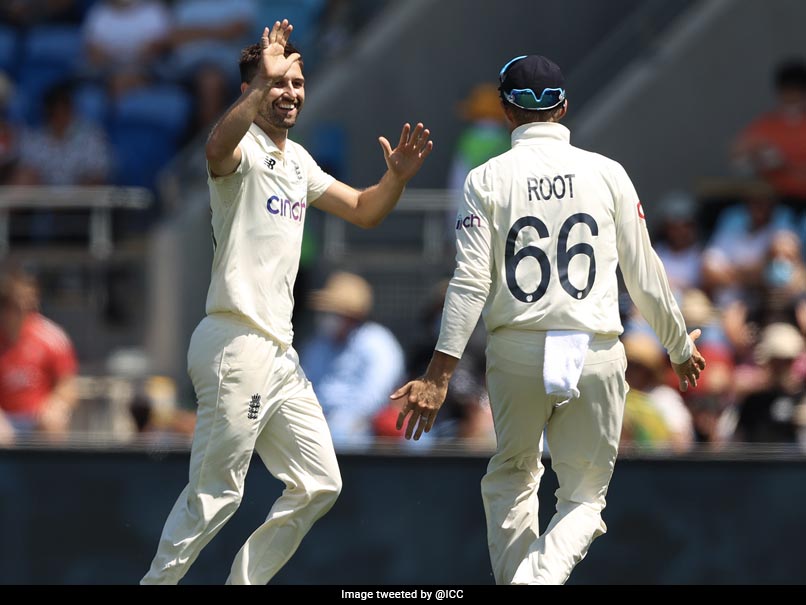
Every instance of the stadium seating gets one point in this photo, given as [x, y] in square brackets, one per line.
[9, 49]
[303, 14]
[51, 53]
[145, 129]
[92, 104]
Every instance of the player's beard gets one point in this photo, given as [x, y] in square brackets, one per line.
[279, 119]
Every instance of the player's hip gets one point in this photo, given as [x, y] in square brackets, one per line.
[523, 351]
[230, 360]
[223, 340]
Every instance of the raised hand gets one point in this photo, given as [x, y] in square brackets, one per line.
[405, 160]
[689, 371]
[272, 43]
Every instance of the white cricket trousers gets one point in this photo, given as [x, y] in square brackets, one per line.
[252, 396]
[583, 437]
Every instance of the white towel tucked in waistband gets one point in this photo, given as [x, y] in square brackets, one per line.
[563, 359]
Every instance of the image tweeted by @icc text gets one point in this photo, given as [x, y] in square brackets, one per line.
[436, 594]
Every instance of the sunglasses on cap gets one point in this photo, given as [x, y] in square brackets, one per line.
[526, 98]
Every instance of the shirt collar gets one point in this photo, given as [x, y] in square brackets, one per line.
[265, 141]
[540, 132]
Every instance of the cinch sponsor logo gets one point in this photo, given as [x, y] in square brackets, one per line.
[286, 208]
[468, 222]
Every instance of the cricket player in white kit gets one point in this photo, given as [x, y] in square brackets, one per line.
[252, 394]
[539, 236]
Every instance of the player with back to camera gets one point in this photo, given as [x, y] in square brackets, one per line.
[539, 234]
[252, 394]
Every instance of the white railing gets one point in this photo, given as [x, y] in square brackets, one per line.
[99, 200]
[433, 204]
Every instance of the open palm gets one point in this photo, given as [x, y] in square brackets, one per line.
[272, 43]
[406, 159]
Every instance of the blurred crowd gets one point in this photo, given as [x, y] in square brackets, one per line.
[107, 91]
[736, 263]
[115, 88]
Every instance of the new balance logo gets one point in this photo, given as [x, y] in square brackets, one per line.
[270, 162]
[254, 407]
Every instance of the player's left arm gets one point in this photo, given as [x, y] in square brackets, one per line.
[648, 286]
[369, 207]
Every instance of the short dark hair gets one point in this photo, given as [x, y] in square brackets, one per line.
[791, 74]
[527, 116]
[250, 60]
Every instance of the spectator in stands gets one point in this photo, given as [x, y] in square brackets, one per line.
[467, 395]
[9, 136]
[211, 97]
[679, 247]
[715, 392]
[780, 296]
[774, 413]
[123, 38]
[337, 25]
[157, 418]
[65, 150]
[354, 364]
[485, 136]
[337, 22]
[734, 261]
[784, 284]
[37, 362]
[6, 431]
[774, 145]
[698, 312]
[210, 32]
[655, 414]
[714, 423]
[25, 13]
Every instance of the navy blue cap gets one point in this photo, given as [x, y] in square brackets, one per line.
[532, 82]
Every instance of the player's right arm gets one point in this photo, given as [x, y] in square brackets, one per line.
[472, 279]
[467, 293]
[425, 395]
[222, 150]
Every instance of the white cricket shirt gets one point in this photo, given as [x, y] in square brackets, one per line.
[258, 215]
[539, 235]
